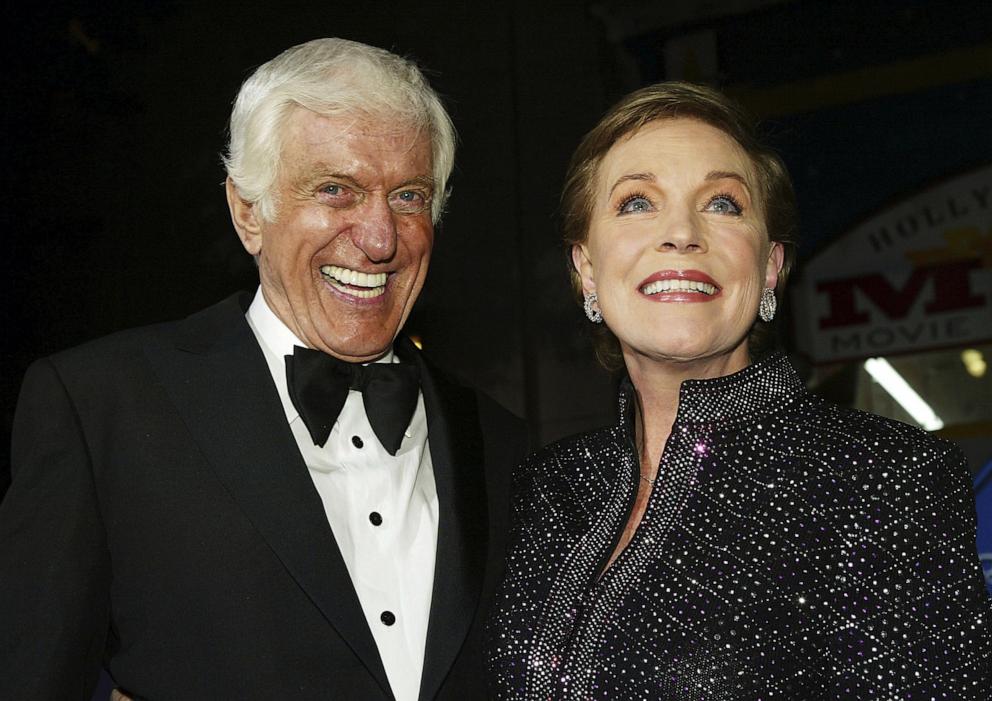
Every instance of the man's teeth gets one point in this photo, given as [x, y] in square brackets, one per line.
[675, 285]
[347, 280]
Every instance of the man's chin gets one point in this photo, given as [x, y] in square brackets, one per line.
[356, 332]
[363, 350]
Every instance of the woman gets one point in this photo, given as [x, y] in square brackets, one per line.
[732, 537]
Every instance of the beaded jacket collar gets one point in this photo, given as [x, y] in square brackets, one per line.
[760, 388]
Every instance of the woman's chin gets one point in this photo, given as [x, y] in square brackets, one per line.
[688, 351]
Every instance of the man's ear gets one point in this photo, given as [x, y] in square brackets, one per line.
[580, 259]
[244, 218]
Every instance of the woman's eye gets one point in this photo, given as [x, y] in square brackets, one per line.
[634, 204]
[724, 204]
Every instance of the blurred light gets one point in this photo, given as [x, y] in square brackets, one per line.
[974, 362]
[893, 383]
[417, 342]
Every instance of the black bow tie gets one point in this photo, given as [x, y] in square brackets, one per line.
[319, 384]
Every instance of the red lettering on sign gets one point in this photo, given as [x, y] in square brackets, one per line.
[952, 287]
[843, 311]
[951, 292]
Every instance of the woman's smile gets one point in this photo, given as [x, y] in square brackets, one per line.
[679, 286]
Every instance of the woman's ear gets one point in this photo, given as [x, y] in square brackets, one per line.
[776, 259]
[244, 218]
[580, 259]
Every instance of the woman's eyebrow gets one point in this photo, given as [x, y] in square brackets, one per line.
[721, 174]
[631, 176]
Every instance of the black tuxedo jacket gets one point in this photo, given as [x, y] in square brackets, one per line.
[161, 521]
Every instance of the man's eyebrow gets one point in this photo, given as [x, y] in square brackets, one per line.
[425, 180]
[632, 176]
[322, 172]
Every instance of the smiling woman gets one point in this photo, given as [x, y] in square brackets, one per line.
[732, 536]
[761, 174]
[674, 222]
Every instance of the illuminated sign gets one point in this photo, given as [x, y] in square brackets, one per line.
[914, 277]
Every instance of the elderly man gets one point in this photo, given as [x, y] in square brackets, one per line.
[276, 497]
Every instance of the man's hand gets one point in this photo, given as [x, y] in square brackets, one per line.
[116, 695]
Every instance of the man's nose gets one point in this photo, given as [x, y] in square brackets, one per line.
[374, 231]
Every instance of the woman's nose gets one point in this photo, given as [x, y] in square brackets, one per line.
[682, 233]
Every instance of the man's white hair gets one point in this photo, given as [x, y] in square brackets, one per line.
[331, 77]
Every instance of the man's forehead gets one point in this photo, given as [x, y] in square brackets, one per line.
[368, 150]
[314, 129]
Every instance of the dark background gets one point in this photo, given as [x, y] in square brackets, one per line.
[115, 114]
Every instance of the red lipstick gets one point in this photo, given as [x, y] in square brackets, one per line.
[679, 286]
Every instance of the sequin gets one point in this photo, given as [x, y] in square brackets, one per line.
[790, 549]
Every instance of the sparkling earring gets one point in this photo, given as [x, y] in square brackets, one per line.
[593, 314]
[766, 309]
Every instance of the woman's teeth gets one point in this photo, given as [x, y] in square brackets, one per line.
[676, 285]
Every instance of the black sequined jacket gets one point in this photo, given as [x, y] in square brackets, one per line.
[790, 549]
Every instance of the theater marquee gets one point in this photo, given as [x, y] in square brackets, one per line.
[915, 277]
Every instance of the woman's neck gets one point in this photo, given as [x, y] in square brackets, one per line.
[657, 384]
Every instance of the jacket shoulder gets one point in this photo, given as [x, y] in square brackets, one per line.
[888, 439]
[494, 418]
[879, 455]
[121, 348]
[549, 480]
[561, 456]
[108, 349]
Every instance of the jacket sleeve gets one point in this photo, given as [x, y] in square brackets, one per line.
[54, 560]
[910, 611]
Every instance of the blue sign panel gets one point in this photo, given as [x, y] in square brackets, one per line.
[983, 502]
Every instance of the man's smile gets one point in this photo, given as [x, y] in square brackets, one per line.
[353, 282]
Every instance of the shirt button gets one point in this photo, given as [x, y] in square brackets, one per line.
[376, 518]
[388, 618]
[357, 442]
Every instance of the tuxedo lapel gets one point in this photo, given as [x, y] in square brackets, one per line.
[459, 474]
[215, 373]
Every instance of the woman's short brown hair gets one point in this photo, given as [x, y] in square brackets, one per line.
[670, 100]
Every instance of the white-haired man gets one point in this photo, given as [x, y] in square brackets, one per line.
[275, 497]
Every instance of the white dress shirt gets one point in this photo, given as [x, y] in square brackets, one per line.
[381, 508]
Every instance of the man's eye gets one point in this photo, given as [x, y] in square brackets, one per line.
[408, 201]
[338, 195]
[724, 204]
[634, 204]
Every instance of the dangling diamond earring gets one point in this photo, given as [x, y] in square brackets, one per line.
[766, 309]
[593, 314]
